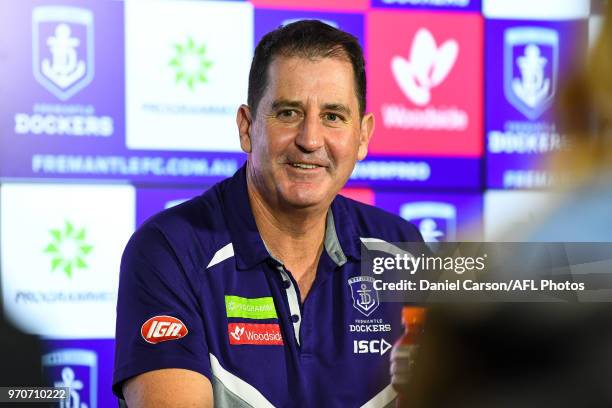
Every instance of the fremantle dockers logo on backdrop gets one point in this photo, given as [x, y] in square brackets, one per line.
[437, 221]
[63, 49]
[365, 297]
[531, 58]
[76, 369]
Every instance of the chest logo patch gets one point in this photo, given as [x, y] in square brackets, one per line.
[257, 334]
[163, 328]
[250, 308]
[365, 296]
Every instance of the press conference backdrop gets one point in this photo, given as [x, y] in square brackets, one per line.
[114, 110]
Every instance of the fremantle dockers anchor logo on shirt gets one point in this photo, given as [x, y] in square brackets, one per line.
[365, 297]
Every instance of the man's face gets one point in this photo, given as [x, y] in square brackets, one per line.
[307, 135]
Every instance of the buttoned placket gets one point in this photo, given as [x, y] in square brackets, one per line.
[292, 291]
[293, 298]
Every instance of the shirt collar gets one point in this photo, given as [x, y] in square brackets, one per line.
[249, 249]
[343, 229]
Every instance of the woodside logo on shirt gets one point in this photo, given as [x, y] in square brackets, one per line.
[163, 328]
[257, 334]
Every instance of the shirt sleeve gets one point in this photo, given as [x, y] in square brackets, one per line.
[155, 282]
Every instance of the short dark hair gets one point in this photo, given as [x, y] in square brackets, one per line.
[308, 39]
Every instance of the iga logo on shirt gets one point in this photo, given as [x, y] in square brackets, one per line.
[163, 328]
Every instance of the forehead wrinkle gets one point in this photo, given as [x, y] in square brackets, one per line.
[279, 86]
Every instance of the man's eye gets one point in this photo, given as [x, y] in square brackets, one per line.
[287, 114]
[332, 117]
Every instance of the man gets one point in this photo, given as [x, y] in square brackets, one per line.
[251, 294]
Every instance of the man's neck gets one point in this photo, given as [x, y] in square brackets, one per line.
[294, 236]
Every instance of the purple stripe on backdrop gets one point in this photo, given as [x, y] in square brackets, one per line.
[448, 5]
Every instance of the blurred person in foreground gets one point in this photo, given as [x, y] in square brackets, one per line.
[508, 355]
[585, 169]
[539, 354]
[252, 294]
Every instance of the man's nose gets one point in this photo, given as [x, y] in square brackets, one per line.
[311, 134]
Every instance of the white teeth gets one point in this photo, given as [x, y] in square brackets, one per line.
[303, 166]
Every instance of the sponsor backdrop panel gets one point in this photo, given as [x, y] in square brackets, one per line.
[150, 201]
[526, 61]
[199, 65]
[425, 87]
[65, 119]
[418, 172]
[267, 20]
[551, 10]
[69, 94]
[426, 83]
[85, 366]
[61, 246]
[65, 115]
[441, 217]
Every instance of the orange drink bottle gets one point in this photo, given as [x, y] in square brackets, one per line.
[404, 351]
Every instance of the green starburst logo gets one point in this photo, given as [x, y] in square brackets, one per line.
[190, 63]
[68, 249]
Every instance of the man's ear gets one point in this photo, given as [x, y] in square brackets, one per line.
[245, 123]
[365, 134]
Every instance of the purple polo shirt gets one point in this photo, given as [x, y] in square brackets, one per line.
[198, 290]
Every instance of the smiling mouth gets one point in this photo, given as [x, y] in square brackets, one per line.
[304, 166]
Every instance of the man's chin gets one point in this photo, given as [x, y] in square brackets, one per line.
[305, 201]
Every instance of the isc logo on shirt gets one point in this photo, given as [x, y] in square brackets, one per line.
[371, 347]
[162, 328]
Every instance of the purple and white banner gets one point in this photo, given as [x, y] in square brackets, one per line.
[525, 64]
[447, 5]
[452, 172]
[64, 68]
[69, 96]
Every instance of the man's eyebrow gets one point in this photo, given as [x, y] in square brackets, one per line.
[338, 107]
[286, 103]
